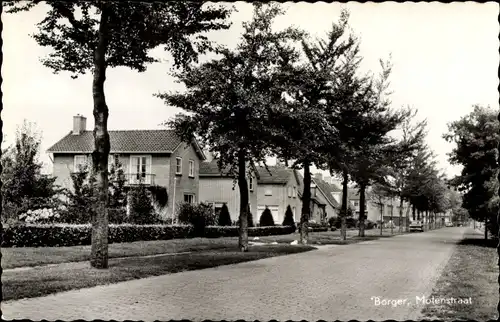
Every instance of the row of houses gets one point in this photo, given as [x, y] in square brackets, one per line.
[159, 157]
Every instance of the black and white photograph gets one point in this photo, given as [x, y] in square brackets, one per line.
[185, 160]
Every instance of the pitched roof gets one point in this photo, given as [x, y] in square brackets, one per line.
[152, 141]
[211, 169]
[275, 175]
[327, 190]
[325, 187]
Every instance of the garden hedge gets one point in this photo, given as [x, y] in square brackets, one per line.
[73, 235]
[55, 235]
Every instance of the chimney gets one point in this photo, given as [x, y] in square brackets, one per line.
[318, 176]
[79, 124]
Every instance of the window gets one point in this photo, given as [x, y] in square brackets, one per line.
[178, 165]
[140, 169]
[294, 193]
[189, 198]
[268, 192]
[250, 184]
[356, 203]
[80, 163]
[290, 192]
[191, 168]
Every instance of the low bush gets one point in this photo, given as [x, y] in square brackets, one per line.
[219, 231]
[74, 235]
[315, 227]
[266, 219]
[224, 216]
[288, 220]
[197, 215]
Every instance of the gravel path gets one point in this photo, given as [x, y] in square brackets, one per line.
[339, 282]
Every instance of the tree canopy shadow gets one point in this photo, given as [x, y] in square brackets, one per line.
[481, 242]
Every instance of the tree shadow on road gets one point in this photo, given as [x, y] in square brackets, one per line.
[474, 241]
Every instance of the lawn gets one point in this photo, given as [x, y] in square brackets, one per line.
[472, 271]
[34, 256]
[17, 284]
[331, 237]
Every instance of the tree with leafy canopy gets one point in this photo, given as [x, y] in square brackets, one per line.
[92, 36]
[24, 187]
[229, 100]
[308, 88]
[385, 162]
[475, 137]
[412, 141]
[224, 216]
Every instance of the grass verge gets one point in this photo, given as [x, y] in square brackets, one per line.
[331, 237]
[70, 276]
[471, 272]
[35, 256]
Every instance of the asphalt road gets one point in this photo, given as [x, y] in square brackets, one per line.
[335, 282]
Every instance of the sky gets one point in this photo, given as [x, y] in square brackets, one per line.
[445, 59]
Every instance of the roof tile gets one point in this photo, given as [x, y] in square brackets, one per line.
[121, 141]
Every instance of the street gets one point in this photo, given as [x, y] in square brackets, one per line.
[333, 282]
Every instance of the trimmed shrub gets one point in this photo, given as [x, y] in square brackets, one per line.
[218, 231]
[224, 216]
[288, 220]
[141, 207]
[75, 235]
[266, 219]
[197, 215]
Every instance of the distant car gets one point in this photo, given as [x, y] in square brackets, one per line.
[417, 226]
[449, 224]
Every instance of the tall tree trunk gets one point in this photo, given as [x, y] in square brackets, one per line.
[306, 204]
[99, 248]
[242, 184]
[392, 213]
[485, 230]
[408, 218]
[343, 211]
[362, 198]
[381, 218]
[400, 214]
[498, 221]
[413, 211]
